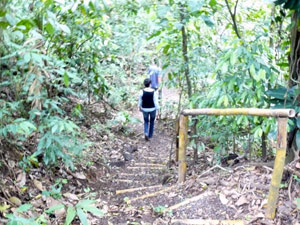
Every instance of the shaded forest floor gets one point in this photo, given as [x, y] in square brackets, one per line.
[133, 182]
[144, 187]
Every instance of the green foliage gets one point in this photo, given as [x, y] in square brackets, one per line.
[98, 51]
[289, 4]
[159, 209]
[282, 97]
[53, 52]
[16, 219]
[81, 209]
[59, 141]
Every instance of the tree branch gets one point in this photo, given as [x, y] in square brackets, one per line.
[233, 15]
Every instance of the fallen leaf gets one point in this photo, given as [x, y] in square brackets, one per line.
[59, 213]
[37, 203]
[4, 207]
[71, 196]
[21, 179]
[223, 199]
[242, 201]
[38, 185]
[15, 200]
[80, 176]
[11, 163]
[251, 168]
[264, 203]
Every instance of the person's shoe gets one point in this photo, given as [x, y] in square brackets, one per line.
[146, 138]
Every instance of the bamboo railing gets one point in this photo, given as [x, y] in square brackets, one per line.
[282, 116]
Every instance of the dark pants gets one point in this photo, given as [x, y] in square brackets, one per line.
[148, 130]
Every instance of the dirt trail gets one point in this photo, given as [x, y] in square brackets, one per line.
[143, 190]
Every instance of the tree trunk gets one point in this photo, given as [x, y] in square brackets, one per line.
[294, 79]
[294, 57]
[263, 147]
[187, 72]
[185, 52]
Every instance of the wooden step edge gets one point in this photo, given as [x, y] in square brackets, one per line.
[127, 181]
[208, 222]
[152, 157]
[134, 174]
[146, 167]
[152, 194]
[149, 164]
[187, 201]
[136, 189]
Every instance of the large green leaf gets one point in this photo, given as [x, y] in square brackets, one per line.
[27, 23]
[66, 80]
[207, 20]
[49, 28]
[278, 93]
[298, 122]
[10, 19]
[24, 208]
[279, 2]
[71, 213]
[298, 139]
[162, 11]
[82, 216]
[154, 35]
[3, 24]
[195, 5]
[84, 203]
[56, 207]
[94, 210]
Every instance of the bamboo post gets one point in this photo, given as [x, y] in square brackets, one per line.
[183, 129]
[176, 140]
[278, 167]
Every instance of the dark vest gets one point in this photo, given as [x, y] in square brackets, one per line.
[148, 99]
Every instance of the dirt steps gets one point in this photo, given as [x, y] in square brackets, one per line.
[142, 199]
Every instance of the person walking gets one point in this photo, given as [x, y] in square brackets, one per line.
[148, 105]
[155, 76]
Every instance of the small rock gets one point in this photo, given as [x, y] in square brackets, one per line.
[127, 156]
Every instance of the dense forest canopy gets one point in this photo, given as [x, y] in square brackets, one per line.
[218, 53]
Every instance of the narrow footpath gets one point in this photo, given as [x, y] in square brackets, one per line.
[144, 189]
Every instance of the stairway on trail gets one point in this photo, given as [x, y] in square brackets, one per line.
[144, 195]
[145, 191]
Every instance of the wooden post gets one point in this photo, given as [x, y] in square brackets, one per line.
[278, 167]
[183, 129]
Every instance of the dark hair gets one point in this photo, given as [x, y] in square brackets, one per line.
[147, 82]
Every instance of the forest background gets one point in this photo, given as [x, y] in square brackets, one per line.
[58, 57]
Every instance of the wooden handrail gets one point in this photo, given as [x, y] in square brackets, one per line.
[243, 111]
[282, 119]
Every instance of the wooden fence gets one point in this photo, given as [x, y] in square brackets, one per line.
[282, 116]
